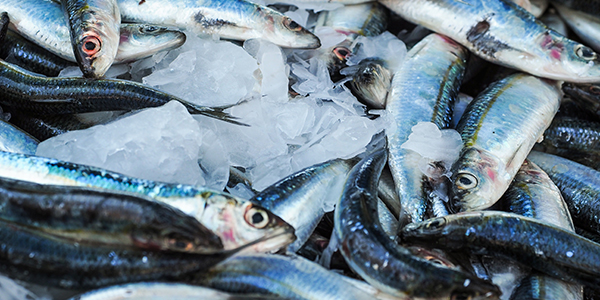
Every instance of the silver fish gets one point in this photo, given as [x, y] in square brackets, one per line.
[231, 19]
[237, 222]
[13, 139]
[142, 40]
[498, 130]
[504, 33]
[423, 90]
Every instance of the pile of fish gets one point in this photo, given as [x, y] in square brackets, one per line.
[483, 184]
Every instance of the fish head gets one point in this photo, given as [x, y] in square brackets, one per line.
[588, 94]
[372, 82]
[239, 222]
[287, 33]
[560, 58]
[142, 40]
[94, 53]
[476, 178]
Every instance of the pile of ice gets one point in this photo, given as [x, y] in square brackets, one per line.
[285, 133]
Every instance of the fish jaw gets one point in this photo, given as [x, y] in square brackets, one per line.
[479, 179]
[142, 40]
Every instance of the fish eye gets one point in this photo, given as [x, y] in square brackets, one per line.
[149, 29]
[341, 52]
[585, 52]
[292, 25]
[465, 181]
[594, 89]
[257, 217]
[177, 242]
[91, 45]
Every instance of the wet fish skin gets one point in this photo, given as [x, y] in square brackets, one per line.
[103, 217]
[19, 51]
[589, 6]
[45, 95]
[231, 218]
[43, 129]
[504, 33]
[233, 19]
[556, 252]
[498, 129]
[310, 191]
[580, 186]
[94, 29]
[423, 89]
[33, 257]
[160, 291]
[544, 287]
[577, 140]
[4, 21]
[291, 277]
[14, 139]
[381, 261]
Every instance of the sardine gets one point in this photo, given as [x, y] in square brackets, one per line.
[46, 95]
[94, 27]
[43, 128]
[504, 33]
[554, 21]
[232, 19]
[423, 90]
[291, 277]
[301, 199]
[580, 186]
[498, 129]
[584, 24]
[555, 251]
[160, 291]
[235, 221]
[14, 139]
[26, 255]
[533, 194]
[382, 262]
[371, 83]
[587, 96]
[4, 21]
[102, 217]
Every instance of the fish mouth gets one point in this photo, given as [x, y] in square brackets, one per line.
[278, 239]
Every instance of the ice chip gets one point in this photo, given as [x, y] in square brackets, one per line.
[328, 36]
[434, 145]
[274, 72]
[385, 46]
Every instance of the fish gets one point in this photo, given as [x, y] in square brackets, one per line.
[533, 194]
[27, 91]
[579, 185]
[424, 89]
[501, 32]
[233, 19]
[589, 6]
[14, 139]
[371, 83]
[575, 139]
[102, 217]
[290, 277]
[584, 24]
[498, 129]
[586, 96]
[236, 221]
[160, 291]
[4, 21]
[43, 128]
[552, 250]
[553, 20]
[94, 29]
[30, 256]
[379, 260]
[302, 198]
